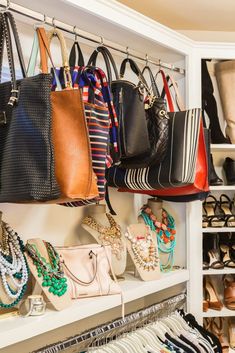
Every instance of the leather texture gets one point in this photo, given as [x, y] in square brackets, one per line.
[73, 164]
[87, 269]
[26, 152]
[229, 169]
[225, 76]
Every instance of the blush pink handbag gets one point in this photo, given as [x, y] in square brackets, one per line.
[87, 268]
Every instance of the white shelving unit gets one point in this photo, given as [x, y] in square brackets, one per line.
[218, 230]
[222, 148]
[216, 313]
[223, 188]
[16, 329]
[214, 272]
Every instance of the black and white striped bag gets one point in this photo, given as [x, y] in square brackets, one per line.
[179, 166]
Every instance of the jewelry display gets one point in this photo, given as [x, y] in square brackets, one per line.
[165, 232]
[52, 271]
[34, 305]
[144, 249]
[14, 270]
[107, 235]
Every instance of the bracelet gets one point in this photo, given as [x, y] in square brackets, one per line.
[34, 305]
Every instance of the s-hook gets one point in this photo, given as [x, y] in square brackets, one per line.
[146, 59]
[6, 8]
[101, 40]
[75, 33]
[127, 52]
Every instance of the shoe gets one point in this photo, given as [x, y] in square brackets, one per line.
[226, 207]
[229, 291]
[215, 262]
[226, 256]
[217, 328]
[211, 295]
[231, 332]
[229, 170]
[214, 179]
[213, 215]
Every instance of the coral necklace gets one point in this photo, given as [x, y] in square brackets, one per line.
[165, 232]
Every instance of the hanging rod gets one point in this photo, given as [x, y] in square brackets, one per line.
[51, 21]
[118, 326]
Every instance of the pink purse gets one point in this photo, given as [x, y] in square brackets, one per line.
[87, 269]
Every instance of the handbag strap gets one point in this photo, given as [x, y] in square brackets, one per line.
[108, 59]
[64, 53]
[92, 255]
[178, 97]
[72, 56]
[40, 42]
[136, 70]
[152, 80]
[167, 91]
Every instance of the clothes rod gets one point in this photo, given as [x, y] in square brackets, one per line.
[51, 21]
[154, 311]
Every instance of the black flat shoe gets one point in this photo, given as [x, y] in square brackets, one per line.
[229, 169]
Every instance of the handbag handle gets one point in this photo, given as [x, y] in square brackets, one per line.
[7, 23]
[108, 59]
[135, 69]
[40, 42]
[153, 82]
[64, 53]
[167, 91]
[72, 56]
[76, 279]
[178, 97]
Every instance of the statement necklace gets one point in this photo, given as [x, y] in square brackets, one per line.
[107, 235]
[13, 266]
[165, 232]
[52, 271]
[144, 249]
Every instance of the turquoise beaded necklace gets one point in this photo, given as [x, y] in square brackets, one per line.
[165, 233]
[51, 272]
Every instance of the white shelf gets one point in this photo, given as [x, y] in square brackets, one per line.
[223, 188]
[216, 313]
[219, 272]
[218, 229]
[17, 329]
[222, 147]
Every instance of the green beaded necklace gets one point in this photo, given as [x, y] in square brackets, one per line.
[51, 272]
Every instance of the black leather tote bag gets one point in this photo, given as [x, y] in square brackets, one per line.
[26, 153]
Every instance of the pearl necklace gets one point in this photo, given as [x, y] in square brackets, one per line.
[144, 250]
[108, 235]
[13, 265]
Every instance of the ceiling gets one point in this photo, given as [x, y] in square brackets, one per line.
[201, 15]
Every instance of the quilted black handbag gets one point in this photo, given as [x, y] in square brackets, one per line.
[26, 154]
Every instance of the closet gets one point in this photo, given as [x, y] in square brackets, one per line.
[110, 23]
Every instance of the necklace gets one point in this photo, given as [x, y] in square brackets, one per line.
[144, 249]
[13, 265]
[165, 232]
[107, 235]
[51, 272]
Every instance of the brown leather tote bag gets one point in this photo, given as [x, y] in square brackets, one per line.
[73, 164]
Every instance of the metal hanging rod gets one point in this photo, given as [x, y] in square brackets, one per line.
[119, 326]
[51, 21]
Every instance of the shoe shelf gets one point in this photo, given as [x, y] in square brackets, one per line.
[222, 147]
[223, 188]
[17, 329]
[218, 229]
[224, 271]
[219, 313]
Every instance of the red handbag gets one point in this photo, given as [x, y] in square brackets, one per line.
[201, 176]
